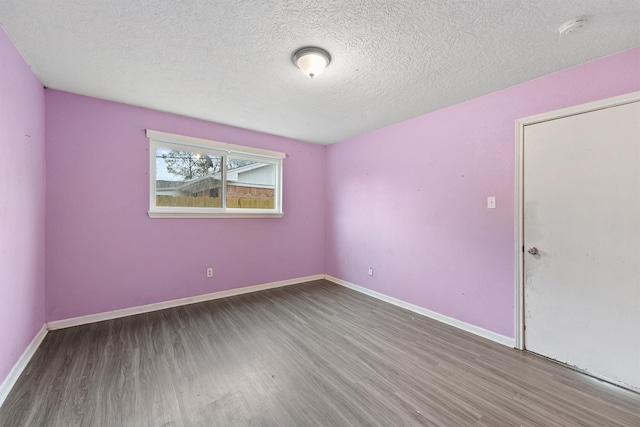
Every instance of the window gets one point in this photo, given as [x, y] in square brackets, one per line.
[198, 178]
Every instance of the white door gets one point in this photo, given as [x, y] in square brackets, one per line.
[581, 184]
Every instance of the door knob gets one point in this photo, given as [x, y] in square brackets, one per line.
[533, 250]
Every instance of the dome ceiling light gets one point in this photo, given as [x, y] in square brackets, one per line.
[311, 60]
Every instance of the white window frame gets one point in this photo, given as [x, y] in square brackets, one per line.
[159, 139]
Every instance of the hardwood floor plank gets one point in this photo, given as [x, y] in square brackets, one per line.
[308, 354]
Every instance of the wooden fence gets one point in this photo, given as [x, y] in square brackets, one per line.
[215, 202]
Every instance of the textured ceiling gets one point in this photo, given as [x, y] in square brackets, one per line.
[229, 61]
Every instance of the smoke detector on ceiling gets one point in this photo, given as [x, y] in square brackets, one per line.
[571, 25]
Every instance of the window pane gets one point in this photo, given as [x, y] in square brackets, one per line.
[250, 184]
[188, 178]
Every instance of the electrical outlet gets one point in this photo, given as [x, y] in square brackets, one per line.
[370, 271]
[209, 272]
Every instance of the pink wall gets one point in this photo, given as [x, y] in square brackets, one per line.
[105, 253]
[410, 199]
[22, 205]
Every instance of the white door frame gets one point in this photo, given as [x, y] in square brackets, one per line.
[519, 188]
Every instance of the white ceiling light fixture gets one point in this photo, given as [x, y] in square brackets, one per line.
[311, 60]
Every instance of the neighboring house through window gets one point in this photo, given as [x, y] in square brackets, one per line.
[194, 177]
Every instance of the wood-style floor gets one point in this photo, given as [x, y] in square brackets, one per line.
[304, 355]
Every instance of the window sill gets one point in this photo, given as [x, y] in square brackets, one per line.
[156, 214]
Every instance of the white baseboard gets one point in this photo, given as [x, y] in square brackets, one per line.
[22, 362]
[509, 342]
[108, 315]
